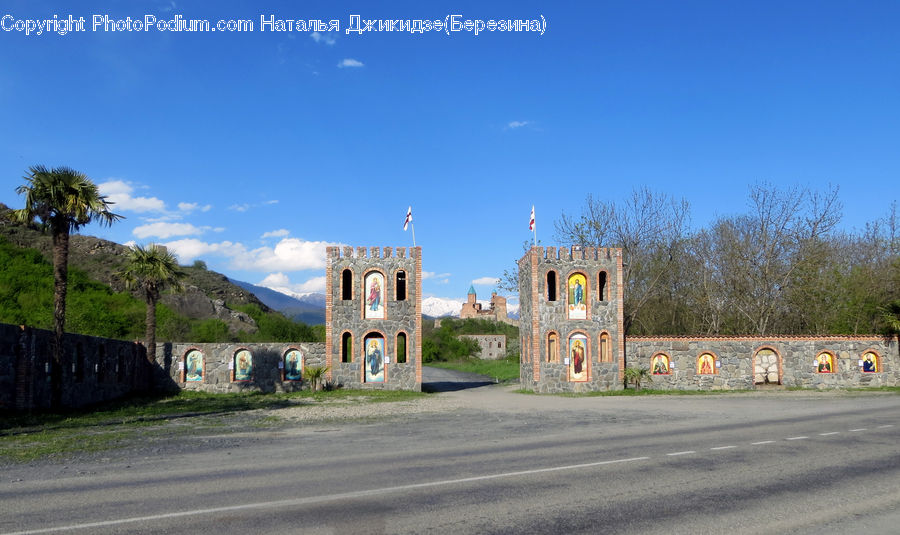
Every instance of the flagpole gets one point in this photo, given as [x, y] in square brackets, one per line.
[413, 225]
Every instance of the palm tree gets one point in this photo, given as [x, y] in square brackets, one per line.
[64, 200]
[150, 269]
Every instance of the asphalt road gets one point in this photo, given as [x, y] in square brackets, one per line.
[504, 463]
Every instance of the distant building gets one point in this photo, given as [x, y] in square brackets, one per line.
[493, 346]
[497, 312]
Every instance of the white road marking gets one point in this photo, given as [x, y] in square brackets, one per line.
[326, 498]
[856, 430]
[796, 438]
[885, 426]
[681, 453]
[763, 442]
[722, 448]
[831, 433]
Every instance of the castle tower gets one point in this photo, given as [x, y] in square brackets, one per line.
[471, 308]
[571, 319]
[373, 317]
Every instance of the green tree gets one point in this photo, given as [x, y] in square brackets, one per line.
[150, 269]
[63, 200]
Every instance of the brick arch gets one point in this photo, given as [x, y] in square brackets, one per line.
[234, 365]
[878, 361]
[831, 361]
[767, 379]
[587, 355]
[604, 335]
[549, 356]
[284, 355]
[348, 290]
[384, 293]
[602, 285]
[397, 286]
[397, 346]
[715, 360]
[184, 360]
[341, 352]
[373, 333]
[586, 293]
[660, 364]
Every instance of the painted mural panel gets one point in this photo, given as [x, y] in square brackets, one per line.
[825, 363]
[293, 365]
[706, 364]
[578, 357]
[577, 306]
[243, 365]
[374, 363]
[870, 362]
[193, 366]
[374, 292]
[659, 365]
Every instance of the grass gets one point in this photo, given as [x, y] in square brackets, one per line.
[505, 370]
[30, 437]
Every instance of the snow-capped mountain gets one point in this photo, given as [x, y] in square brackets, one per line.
[438, 307]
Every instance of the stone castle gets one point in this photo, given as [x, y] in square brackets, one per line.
[571, 338]
[497, 311]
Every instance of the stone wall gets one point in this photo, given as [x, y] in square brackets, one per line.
[796, 358]
[346, 315]
[267, 372]
[493, 346]
[546, 324]
[93, 369]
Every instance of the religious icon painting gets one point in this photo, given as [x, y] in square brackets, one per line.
[374, 295]
[706, 364]
[577, 297]
[578, 363]
[293, 365]
[193, 366]
[374, 359]
[825, 363]
[659, 365]
[870, 362]
[243, 365]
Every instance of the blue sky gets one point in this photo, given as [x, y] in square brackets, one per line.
[253, 150]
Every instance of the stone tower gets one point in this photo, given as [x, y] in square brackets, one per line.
[373, 317]
[571, 319]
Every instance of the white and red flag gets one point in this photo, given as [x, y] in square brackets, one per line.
[531, 223]
[408, 218]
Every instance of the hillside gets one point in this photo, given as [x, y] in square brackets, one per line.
[210, 309]
[309, 309]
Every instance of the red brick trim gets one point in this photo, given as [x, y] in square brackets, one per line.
[330, 253]
[620, 313]
[418, 253]
[756, 338]
[587, 356]
[535, 348]
[878, 362]
[364, 297]
[374, 333]
[587, 294]
[715, 361]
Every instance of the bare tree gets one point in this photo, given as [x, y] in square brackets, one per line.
[651, 229]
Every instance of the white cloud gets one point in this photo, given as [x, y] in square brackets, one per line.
[290, 254]
[273, 201]
[239, 207]
[188, 249]
[119, 192]
[165, 230]
[432, 275]
[326, 38]
[486, 281]
[517, 124]
[280, 233]
[350, 62]
[191, 206]
[282, 283]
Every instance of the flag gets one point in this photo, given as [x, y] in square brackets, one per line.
[531, 223]
[408, 218]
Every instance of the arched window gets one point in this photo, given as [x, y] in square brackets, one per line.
[401, 348]
[869, 362]
[346, 285]
[601, 286]
[346, 347]
[706, 364]
[552, 348]
[193, 366]
[551, 285]
[605, 350]
[243, 365]
[577, 294]
[401, 286]
[659, 364]
[766, 367]
[579, 359]
[825, 362]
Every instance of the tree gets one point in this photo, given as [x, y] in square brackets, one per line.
[150, 269]
[651, 229]
[63, 200]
